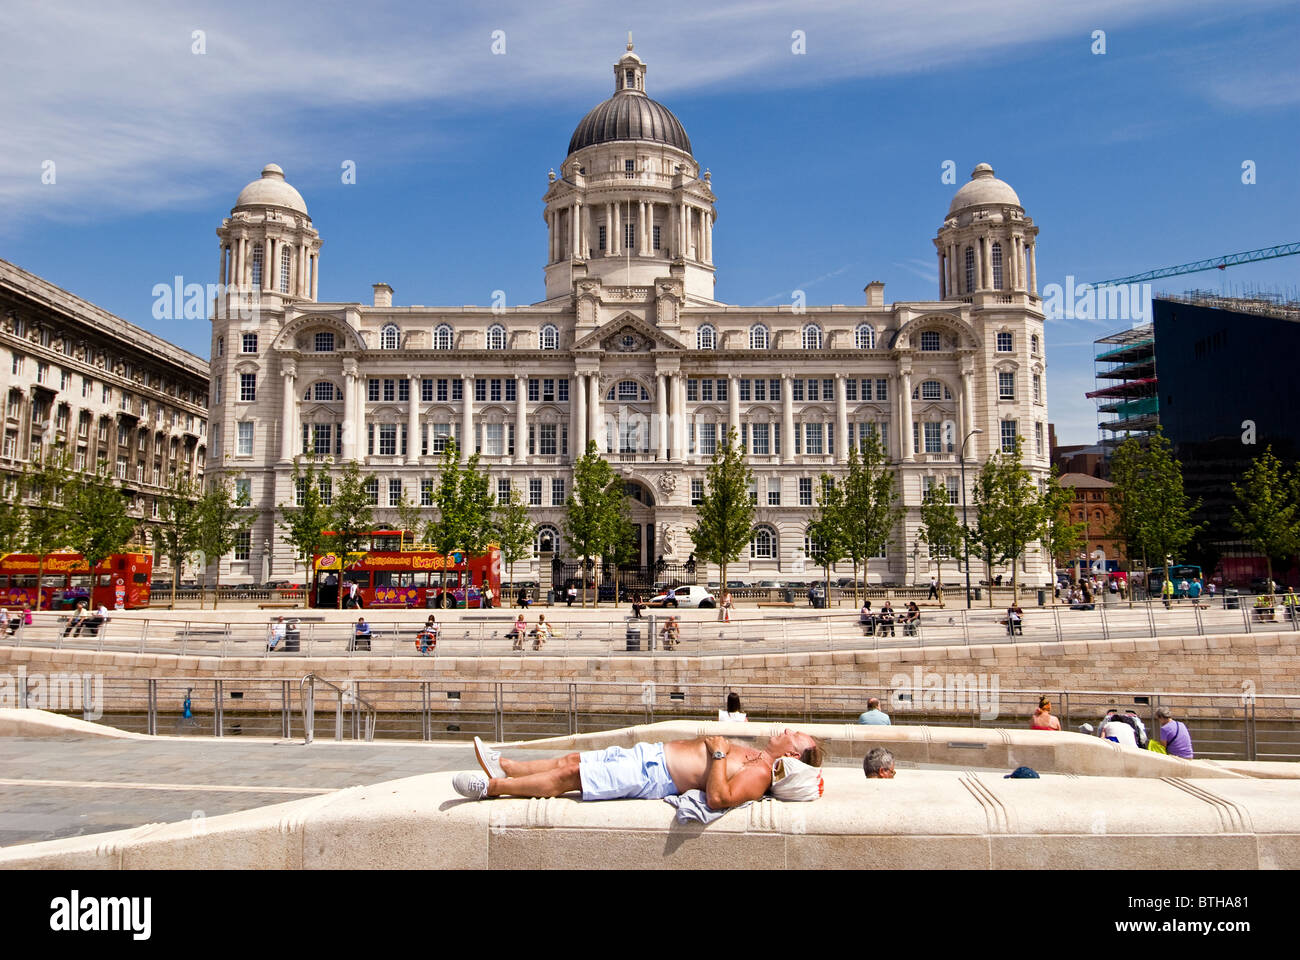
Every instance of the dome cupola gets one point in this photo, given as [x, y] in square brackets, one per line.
[629, 114]
[271, 190]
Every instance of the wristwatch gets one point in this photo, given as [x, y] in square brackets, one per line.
[719, 755]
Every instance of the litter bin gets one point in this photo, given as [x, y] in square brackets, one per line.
[977, 593]
[787, 595]
[1042, 598]
[292, 640]
[818, 602]
[633, 637]
[1231, 601]
[550, 598]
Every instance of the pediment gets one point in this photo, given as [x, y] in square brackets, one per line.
[628, 334]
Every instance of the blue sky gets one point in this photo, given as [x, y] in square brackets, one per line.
[827, 164]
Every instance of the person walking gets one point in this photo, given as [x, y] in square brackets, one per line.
[934, 589]
[726, 607]
[1167, 593]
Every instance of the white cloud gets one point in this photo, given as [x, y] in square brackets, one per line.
[133, 119]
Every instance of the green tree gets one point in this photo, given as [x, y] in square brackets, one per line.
[826, 532]
[1153, 506]
[1020, 504]
[940, 529]
[725, 515]
[871, 509]
[985, 534]
[305, 521]
[408, 516]
[514, 531]
[1060, 535]
[13, 524]
[47, 484]
[587, 522]
[223, 516]
[1268, 516]
[465, 506]
[180, 514]
[99, 525]
[351, 516]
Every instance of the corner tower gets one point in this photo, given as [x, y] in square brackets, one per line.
[629, 204]
[986, 242]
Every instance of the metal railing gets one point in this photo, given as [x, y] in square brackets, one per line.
[483, 633]
[1223, 725]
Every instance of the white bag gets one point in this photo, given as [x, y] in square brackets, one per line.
[795, 780]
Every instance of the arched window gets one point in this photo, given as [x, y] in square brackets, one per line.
[442, 337]
[496, 337]
[762, 545]
[627, 390]
[970, 269]
[864, 338]
[323, 391]
[930, 390]
[547, 539]
[390, 338]
[996, 258]
[548, 338]
[285, 263]
[758, 339]
[930, 340]
[812, 337]
[813, 548]
[706, 338]
[257, 265]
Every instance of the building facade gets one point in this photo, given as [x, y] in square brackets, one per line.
[630, 350]
[111, 395]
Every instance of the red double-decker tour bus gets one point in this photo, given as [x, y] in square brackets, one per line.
[121, 582]
[393, 573]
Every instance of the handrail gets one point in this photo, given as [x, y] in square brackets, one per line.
[344, 695]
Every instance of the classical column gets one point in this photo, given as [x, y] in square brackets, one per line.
[288, 435]
[733, 406]
[315, 273]
[905, 411]
[968, 402]
[586, 230]
[594, 426]
[708, 236]
[943, 280]
[521, 420]
[1033, 269]
[221, 264]
[642, 245]
[614, 238]
[661, 417]
[841, 421]
[466, 418]
[413, 423]
[268, 264]
[578, 418]
[350, 426]
[787, 420]
[979, 267]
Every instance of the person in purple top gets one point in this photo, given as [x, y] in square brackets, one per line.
[1174, 735]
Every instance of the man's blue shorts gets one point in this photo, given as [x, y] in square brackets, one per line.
[626, 773]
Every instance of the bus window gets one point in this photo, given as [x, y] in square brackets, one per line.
[55, 581]
[139, 578]
[388, 543]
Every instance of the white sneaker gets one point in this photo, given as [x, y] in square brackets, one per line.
[489, 760]
[473, 785]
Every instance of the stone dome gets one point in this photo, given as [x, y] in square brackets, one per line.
[983, 188]
[630, 115]
[271, 190]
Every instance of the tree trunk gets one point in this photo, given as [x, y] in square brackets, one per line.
[216, 588]
[306, 583]
[40, 577]
[988, 563]
[722, 587]
[938, 580]
[176, 575]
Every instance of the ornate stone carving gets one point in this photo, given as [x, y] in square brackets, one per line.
[667, 541]
[667, 483]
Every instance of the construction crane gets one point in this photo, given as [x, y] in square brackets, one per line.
[1216, 263]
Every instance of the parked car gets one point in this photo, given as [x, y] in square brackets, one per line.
[770, 584]
[688, 596]
[737, 585]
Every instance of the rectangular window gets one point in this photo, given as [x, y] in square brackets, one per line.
[426, 493]
[798, 438]
[796, 392]
[629, 232]
[753, 491]
[372, 491]
[243, 490]
[557, 491]
[721, 391]
[812, 433]
[494, 439]
[708, 439]
[882, 390]
[933, 440]
[562, 390]
[372, 390]
[535, 492]
[1006, 386]
[760, 390]
[759, 439]
[706, 390]
[812, 390]
[326, 487]
[243, 545]
[388, 439]
[442, 390]
[697, 492]
[480, 391]
[851, 390]
[564, 439]
[1008, 435]
[247, 388]
[503, 490]
[744, 390]
[457, 390]
[692, 391]
[1038, 438]
[1038, 388]
[426, 390]
[601, 237]
[243, 442]
[394, 491]
[655, 231]
[404, 390]
[805, 491]
[86, 386]
[390, 390]
[323, 439]
[1005, 343]
[828, 389]
[249, 343]
[534, 390]
[512, 390]
[441, 434]
[546, 439]
[774, 491]
[494, 390]
[324, 343]
[548, 390]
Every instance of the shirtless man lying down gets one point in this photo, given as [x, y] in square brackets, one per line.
[729, 773]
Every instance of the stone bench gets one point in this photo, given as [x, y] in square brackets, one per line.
[776, 603]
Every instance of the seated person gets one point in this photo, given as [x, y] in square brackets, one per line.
[729, 774]
[637, 606]
[360, 635]
[1015, 617]
[541, 633]
[1119, 729]
[427, 639]
[734, 711]
[911, 618]
[670, 634]
[886, 618]
[76, 620]
[524, 599]
[518, 631]
[97, 621]
[866, 618]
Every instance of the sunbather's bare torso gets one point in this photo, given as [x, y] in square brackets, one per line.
[688, 761]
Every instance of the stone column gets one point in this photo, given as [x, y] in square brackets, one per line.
[578, 417]
[943, 280]
[288, 435]
[315, 273]
[708, 237]
[661, 417]
[1033, 269]
[350, 426]
[221, 264]
[841, 421]
[466, 418]
[268, 264]
[733, 405]
[905, 414]
[585, 239]
[413, 424]
[979, 266]
[967, 402]
[594, 425]
[787, 420]
[615, 232]
[521, 420]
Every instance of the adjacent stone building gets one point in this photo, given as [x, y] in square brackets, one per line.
[81, 380]
[629, 349]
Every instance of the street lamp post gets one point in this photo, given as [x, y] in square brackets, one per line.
[965, 531]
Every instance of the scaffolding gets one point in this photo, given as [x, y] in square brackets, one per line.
[1124, 371]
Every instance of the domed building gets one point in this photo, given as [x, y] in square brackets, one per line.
[629, 350]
